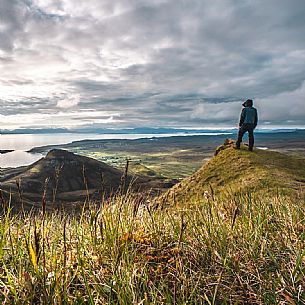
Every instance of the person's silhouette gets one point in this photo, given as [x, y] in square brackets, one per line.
[247, 123]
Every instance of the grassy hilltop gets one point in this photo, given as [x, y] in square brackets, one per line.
[241, 243]
[234, 171]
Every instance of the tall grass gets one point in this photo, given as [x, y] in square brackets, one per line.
[247, 249]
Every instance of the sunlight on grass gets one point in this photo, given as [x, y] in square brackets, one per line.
[206, 251]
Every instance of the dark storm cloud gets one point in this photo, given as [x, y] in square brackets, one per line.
[90, 85]
[24, 104]
[11, 25]
[166, 62]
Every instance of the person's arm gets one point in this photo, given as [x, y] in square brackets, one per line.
[242, 117]
[255, 119]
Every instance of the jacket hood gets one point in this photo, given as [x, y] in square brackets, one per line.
[248, 103]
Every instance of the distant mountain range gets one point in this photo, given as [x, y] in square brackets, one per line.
[138, 130]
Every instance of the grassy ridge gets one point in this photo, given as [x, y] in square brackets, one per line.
[212, 251]
[233, 171]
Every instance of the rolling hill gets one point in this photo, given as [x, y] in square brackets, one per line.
[65, 176]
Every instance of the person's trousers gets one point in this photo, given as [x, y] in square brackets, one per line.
[242, 130]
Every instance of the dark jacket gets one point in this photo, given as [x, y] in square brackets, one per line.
[248, 116]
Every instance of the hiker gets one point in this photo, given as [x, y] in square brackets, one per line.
[247, 122]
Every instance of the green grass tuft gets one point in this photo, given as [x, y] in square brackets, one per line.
[249, 249]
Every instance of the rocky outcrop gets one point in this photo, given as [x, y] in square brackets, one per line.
[227, 143]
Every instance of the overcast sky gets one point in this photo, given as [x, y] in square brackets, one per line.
[128, 63]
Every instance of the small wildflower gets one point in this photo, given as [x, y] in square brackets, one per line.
[159, 269]
[95, 257]
[126, 237]
[223, 217]
[51, 274]
[206, 195]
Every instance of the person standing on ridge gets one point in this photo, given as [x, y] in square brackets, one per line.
[247, 123]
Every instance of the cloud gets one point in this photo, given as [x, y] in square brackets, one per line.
[68, 102]
[153, 63]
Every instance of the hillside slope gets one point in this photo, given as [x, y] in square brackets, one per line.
[233, 171]
[68, 175]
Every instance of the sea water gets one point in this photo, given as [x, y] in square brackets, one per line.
[21, 143]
